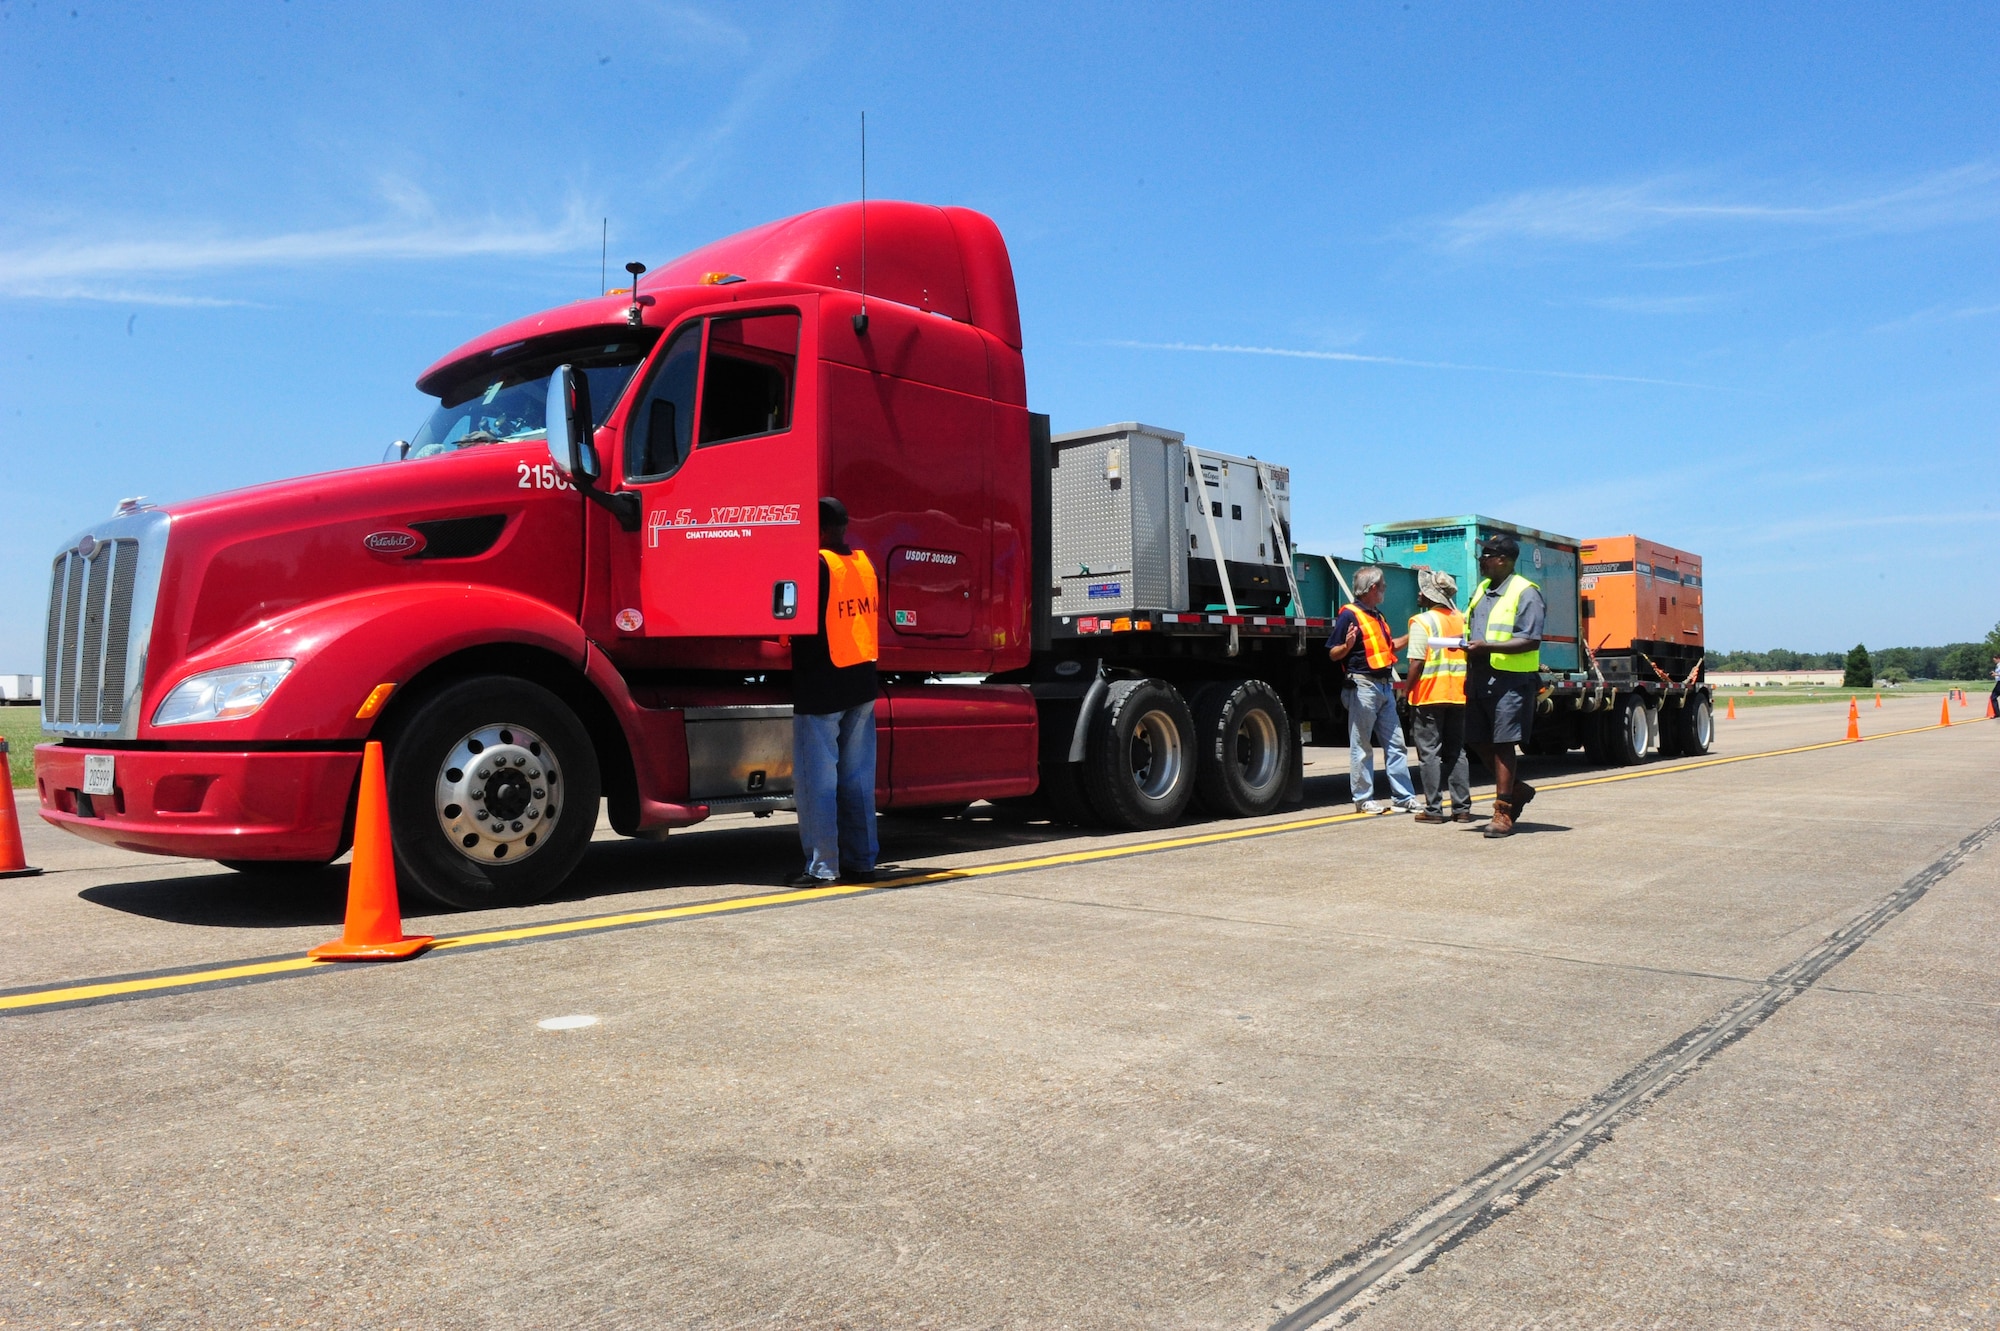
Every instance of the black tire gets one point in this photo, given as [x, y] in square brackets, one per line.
[1596, 727]
[1139, 767]
[1247, 747]
[1694, 727]
[1626, 725]
[549, 768]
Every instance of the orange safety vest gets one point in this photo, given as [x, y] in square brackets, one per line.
[851, 599]
[1443, 680]
[1374, 637]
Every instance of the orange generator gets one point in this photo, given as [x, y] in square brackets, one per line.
[1643, 599]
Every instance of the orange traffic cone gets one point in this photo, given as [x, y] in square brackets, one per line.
[13, 859]
[1732, 711]
[1990, 711]
[1853, 719]
[1961, 698]
[1944, 714]
[1878, 702]
[374, 921]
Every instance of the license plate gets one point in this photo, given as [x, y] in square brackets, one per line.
[98, 773]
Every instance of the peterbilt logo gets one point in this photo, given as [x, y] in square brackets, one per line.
[398, 541]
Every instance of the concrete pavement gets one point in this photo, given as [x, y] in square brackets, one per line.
[1159, 1090]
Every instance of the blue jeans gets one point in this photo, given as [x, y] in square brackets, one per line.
[1371, 720]
[833, 784]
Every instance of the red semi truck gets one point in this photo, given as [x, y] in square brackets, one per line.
[576, 587]
[538, 615]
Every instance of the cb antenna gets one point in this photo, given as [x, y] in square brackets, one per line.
[861, 319]
[633, 314]
[603, 256]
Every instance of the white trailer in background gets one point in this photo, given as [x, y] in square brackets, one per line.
[21, 689]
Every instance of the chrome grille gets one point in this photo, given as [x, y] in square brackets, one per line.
[94, 650]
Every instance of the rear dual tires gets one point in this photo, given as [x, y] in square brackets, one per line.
[1688, 730]
[1628, 732]
[498, 741]
[1247, 748]
[1139, 766]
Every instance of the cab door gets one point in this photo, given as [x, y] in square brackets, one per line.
[721, 447]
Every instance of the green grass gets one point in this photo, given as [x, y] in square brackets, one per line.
[1793, 694]
[21, 727]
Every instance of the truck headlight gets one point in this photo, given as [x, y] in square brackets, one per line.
[221, 695]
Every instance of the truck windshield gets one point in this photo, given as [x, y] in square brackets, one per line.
[505, 403]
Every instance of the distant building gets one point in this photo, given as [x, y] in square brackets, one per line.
[1773, 679]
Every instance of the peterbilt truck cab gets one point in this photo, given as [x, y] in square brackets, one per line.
[531, 643]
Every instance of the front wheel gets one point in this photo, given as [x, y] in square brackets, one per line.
[1139, 768]
[1246, 742]
[493, 793]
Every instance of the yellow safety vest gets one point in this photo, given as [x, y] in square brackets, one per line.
[1443, 680]
[851, 599]
[1374, 637]
[1500, 624]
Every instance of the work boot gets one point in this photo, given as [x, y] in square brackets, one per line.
[1426, 816]
[1523, 792]
[1502, 824]
[806, 880]
[1461, 815]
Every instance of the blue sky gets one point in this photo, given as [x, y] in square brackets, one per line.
[1723, 275]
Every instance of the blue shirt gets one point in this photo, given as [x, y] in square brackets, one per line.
[1346, 620]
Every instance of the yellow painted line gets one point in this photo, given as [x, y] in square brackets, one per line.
[84, 993]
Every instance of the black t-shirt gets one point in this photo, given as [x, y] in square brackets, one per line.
[819, 687]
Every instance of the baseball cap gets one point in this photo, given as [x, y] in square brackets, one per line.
[1500, 543]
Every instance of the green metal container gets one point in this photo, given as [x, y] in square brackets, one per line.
[1322, 593]
[1451, 545]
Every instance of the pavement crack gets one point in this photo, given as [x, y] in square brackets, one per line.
[1347, 1286]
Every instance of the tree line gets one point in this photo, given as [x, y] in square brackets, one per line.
[1954, 660]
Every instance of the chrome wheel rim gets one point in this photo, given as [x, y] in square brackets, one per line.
[1704, 725]
[1156, 755]
[1257, 749]
[498, 792]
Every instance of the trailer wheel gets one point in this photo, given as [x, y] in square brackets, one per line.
[1597, 728]
[1246, 744]
[493, 793]
[1630, 732]
[1139, 769]
[1694, 727]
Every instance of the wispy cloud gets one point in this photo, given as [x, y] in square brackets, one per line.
[1659, 304]
[62, 266]
[1936, 314]
[119, 296]
[1767, 533]
[1598, 214]
[1358, 358]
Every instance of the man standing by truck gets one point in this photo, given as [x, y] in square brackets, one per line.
[1437, 698]
[1361, 643]
[1503, 652]
[833, 713]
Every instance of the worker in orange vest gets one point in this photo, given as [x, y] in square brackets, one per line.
[1361, 644]
[1437, 698]
[833, 714]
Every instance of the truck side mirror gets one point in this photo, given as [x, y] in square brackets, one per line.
[397, 451]
[569, 425]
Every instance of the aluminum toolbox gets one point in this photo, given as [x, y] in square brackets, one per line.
[1128, 522]
[1451, 546]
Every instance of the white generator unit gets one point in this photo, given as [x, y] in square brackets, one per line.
[1143, 520]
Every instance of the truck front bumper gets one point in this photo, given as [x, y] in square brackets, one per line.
[206, 805]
